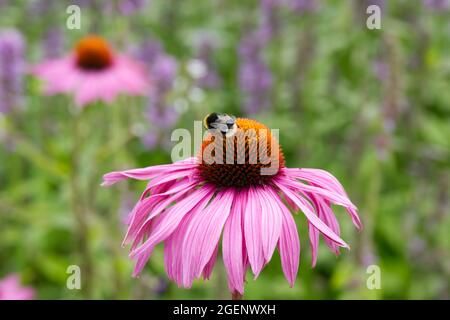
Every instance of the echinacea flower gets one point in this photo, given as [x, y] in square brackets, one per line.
[93, 72]
[190, 204]
[11, 289]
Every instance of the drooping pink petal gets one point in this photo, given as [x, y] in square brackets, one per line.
[314, 242]
[325, 180]
[207, 270]
[141, 259]
[317, 176]
[355, 218]
[326, 194]
[150, 207]
[149, 172]
[203, 235]
[270, 222]
[233, 245]
[308, 211]
[252, 232]
[172, 218]
[289, 244]
[327, 216]
[173, 251]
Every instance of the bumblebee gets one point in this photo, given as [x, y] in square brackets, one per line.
[222, 122]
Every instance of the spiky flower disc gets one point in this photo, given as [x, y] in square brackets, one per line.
[242, 156]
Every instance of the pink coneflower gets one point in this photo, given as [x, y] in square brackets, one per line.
[93, 72]
[189, 204]
[11, 289]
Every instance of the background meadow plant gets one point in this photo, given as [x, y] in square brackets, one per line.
[370, 106]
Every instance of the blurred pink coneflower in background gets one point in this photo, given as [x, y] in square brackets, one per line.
[93, 71]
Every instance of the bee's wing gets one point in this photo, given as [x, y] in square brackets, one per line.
[214, 125]
[231, 120]
[222, 127]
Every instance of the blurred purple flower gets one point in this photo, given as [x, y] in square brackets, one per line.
[437, 5]
[304, 5]
[269, 23]
[149, 51]
[12, 69]
[162, 115]
[417, 247]
[150, 139]
[255, 78]
[161, 286]
[250, 46]
[163, 70]
[381, 70]
[128, 7]
[53, 43]
[369, 258]
[83, 3]
[210, 79]
[40, 7]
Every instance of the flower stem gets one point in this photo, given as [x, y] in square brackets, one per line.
[78, 210]
[236, 296]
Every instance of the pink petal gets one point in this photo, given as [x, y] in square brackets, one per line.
[87, 91]
[196, 200]
[271, 216]
[314, 242]
[131, 76]
[233, 245]
[252, 232]
[329, 195]
[150, 207]
[141, 259]
[325, 180]
[327, 216]
[289, 244]
[310, 215]
[173, 251]
[207, 270]
[149, 172]
[203, 235]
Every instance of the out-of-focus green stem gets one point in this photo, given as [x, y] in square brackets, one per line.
[78, 209]
[221, 288]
